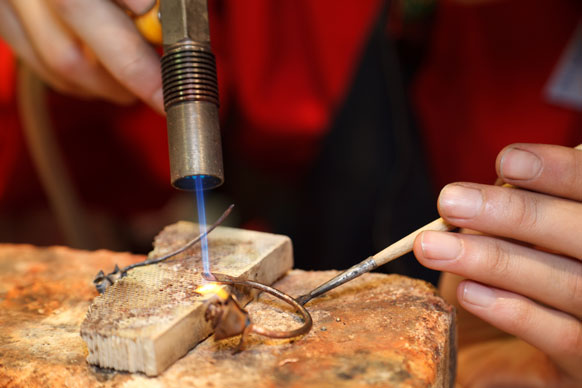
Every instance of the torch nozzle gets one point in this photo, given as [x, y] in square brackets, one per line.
[190, 95]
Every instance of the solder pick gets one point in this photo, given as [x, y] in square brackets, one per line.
[394, 251]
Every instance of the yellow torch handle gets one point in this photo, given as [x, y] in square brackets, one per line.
[149, 25]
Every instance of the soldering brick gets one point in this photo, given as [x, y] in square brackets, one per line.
[149, 319]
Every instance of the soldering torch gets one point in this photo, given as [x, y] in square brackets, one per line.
[190, 91]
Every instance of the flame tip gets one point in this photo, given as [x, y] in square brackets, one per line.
[212, 288]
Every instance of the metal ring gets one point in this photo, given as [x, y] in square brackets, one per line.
[307, 321]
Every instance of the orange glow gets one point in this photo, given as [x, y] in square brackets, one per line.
[213, 288]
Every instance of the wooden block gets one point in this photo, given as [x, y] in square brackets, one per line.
[152, 317]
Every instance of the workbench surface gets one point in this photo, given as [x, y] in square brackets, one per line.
[379, 330]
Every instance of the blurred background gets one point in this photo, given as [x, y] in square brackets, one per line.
[341, 121]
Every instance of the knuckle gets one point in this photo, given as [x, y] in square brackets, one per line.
[130, 69]
[569, 342]
[133, 72]
[577, 343]
[577, 171]
[574, 291]
[521, 316]
[498, 259]
[524, 211]
[66, 65]
[67, 61]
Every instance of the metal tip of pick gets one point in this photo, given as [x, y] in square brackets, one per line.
[303, 299]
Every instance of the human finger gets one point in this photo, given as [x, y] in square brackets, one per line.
[549, 169]
[539, 219]
[110, 33]
[13, 34]
[556, 333]
[138, 7]
[60, 51]
[551, 279]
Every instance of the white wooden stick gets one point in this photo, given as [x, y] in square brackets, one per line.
[405, 244]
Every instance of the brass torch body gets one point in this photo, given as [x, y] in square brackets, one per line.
[190, 95]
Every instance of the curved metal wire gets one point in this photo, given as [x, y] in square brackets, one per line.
[280, 334]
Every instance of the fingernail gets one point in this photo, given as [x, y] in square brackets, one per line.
[139, 7]
[478, 295]
[440, 246]
[520, 164]
[460, 201]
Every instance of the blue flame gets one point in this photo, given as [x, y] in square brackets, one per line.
[198, 182]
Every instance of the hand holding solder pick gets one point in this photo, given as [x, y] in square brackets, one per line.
[522, 274]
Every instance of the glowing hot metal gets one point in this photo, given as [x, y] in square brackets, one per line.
[229, 319]
[212, 288]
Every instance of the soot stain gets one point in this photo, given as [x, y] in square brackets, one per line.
[353, 372]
